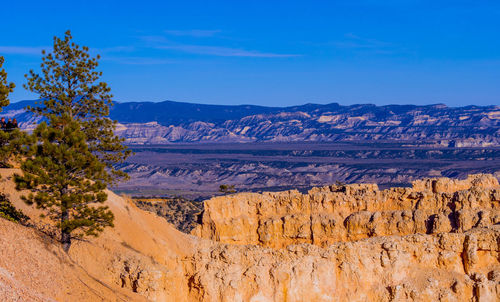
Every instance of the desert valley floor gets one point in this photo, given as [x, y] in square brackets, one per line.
[197, 170]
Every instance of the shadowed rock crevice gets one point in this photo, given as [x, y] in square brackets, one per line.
[183, 213]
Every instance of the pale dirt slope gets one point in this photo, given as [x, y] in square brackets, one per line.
[95, 269]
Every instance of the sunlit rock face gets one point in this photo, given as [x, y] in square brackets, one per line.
[436, 241]
[338, 213]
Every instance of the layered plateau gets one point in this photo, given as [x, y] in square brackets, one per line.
[175, 122]
[189, 150]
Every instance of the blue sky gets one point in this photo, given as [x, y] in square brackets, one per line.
[271, 52]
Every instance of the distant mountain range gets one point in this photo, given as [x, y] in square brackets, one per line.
[176, 122]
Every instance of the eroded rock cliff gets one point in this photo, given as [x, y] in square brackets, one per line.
[352, 212]
[445, 267]
[436, 241]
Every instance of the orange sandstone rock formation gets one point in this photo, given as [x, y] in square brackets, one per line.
[352, 212]
[436, 241]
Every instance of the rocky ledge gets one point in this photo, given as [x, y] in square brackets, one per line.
[341, 213]
[436, 241]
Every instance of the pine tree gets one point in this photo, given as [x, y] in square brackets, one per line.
[5, 87]
[70, 162]
[10, 141]
[7, 210]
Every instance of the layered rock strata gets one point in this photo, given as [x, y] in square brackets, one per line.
[352, 212]
[445, 267]
[436, 241]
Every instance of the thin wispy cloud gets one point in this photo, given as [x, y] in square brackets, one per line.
[116, 49]
[223, 51]
[360, 44]
[21, 50]
[137, 60]
[198, 33]
[29, 50]
[153, 39]
[161, 42]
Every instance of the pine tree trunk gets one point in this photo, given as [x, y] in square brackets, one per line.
[65, 235]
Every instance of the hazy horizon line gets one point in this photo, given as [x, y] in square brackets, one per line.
[296, 105]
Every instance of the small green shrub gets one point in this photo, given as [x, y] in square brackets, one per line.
[227, 189]
[9, 212]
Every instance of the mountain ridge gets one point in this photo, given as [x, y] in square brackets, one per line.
[179, 122]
